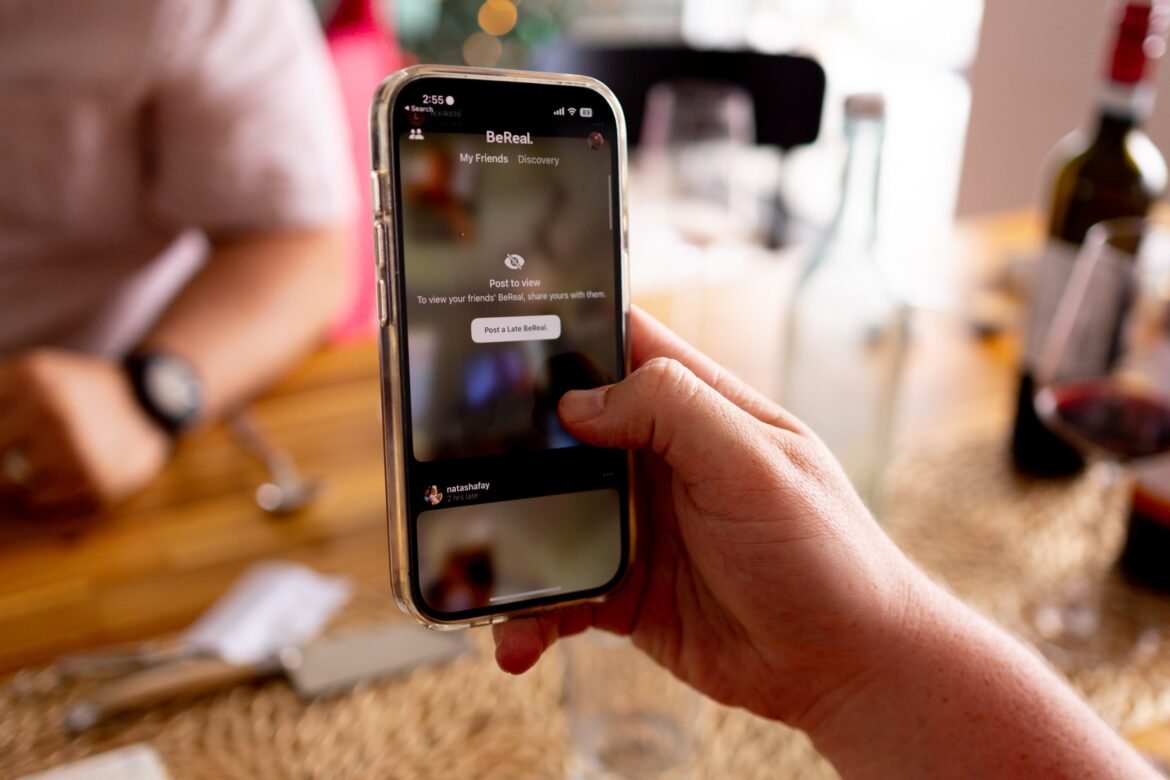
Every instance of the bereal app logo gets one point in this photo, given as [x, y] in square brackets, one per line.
[508, 137]
[514, 261]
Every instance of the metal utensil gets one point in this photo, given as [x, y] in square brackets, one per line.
[287, 489]
[118, 660]
[322, 667]
[104, 663]
[273, 605]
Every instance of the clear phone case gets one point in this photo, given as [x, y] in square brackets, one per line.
[388, 342]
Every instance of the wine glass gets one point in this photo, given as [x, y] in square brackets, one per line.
[1103, 384]
[694, 139]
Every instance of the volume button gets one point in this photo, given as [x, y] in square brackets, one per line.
[380, 245]
[383, 308]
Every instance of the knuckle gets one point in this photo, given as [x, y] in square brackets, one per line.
[662, 377]
[666, 390]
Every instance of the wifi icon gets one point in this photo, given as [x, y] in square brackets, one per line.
[572, 112]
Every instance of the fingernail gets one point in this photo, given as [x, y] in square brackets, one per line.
[582, 405]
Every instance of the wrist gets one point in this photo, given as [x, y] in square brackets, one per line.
[955, 695]
[859, 701]
[166, 388]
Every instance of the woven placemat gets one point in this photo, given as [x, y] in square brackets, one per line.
[462, 720]
[1008, 545]
[952, 503]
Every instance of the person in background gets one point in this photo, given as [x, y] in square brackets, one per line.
[764, 582]
[174, 181]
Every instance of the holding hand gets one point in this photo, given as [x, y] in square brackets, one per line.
[761, 580]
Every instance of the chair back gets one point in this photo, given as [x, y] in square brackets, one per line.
[788, 91]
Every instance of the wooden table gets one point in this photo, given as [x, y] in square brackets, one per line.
[152, 565]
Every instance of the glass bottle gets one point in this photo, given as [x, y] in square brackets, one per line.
[846, 330]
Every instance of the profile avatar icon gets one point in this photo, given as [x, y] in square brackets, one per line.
[432, 496]
[514, 261]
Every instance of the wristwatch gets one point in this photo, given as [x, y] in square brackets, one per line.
[166, 387]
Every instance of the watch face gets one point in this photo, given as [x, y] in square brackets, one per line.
[172, 388]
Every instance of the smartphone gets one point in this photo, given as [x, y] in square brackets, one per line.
[502, 273]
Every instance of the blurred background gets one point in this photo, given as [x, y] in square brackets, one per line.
[842, 201]
[977, 91]
[919, 54]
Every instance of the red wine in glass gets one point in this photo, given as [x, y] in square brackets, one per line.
[1121, 421]
[1104, 387]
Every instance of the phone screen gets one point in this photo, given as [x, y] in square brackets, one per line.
[509, 294]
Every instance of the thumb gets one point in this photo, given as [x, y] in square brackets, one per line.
[663, 407]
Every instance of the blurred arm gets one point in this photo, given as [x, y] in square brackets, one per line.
[260, 303]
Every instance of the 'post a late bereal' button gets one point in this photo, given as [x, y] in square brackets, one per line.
[539, 327]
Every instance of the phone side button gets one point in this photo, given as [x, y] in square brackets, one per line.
[380, 193]
[375, 193]
[380, 245]
[383, 309]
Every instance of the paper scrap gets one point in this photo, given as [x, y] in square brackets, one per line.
[133, 762]
[274, 605]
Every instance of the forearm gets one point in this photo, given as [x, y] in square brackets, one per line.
[259, 304]
[960, 698]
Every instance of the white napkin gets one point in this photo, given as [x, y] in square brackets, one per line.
[275, 604]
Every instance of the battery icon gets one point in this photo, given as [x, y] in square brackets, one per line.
[586, 112]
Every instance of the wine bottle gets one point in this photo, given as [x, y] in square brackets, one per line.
[1118, 172]
[1145, 559]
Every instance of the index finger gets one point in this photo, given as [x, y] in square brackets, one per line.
[649, 339]
[521, 642]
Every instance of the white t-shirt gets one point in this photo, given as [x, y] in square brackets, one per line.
[130, 130]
